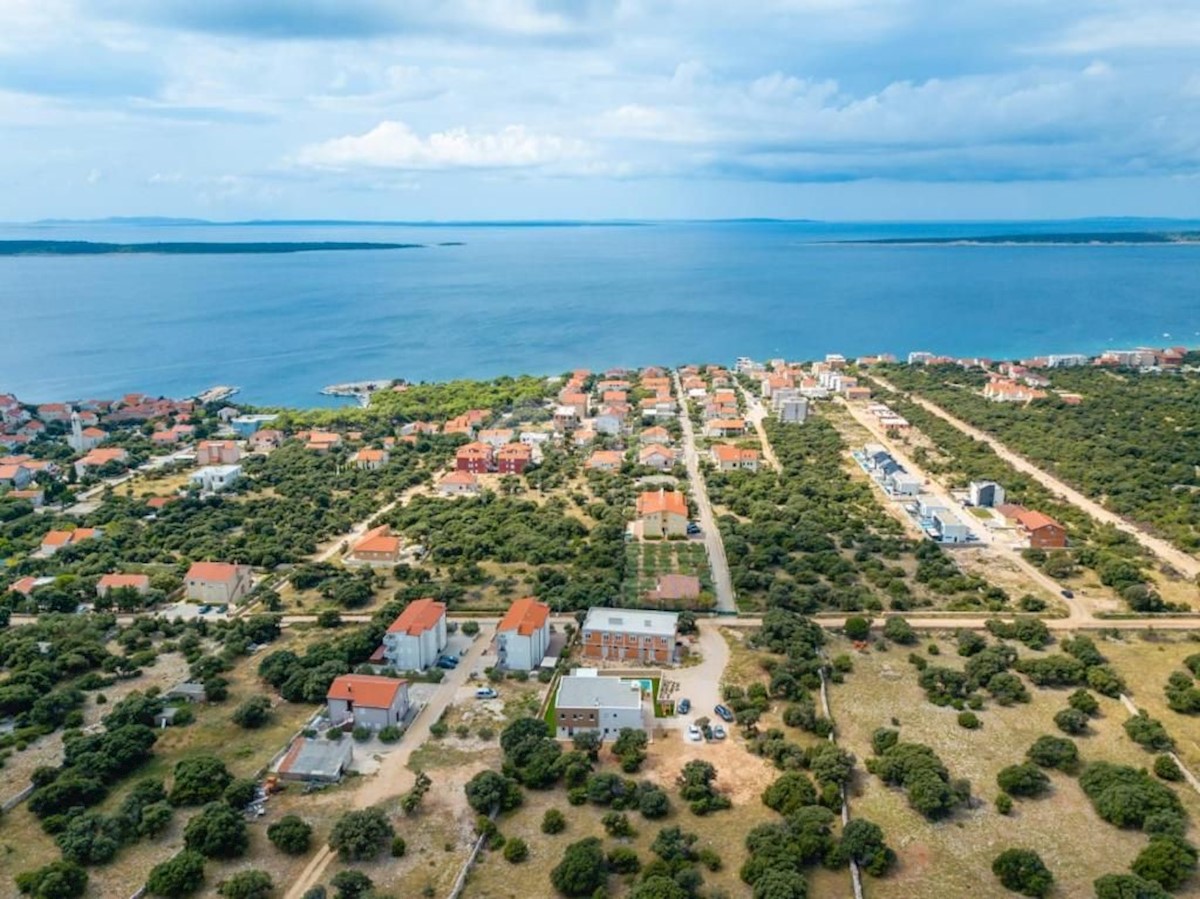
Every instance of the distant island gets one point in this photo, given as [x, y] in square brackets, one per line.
[192, 248]
[1116, 238]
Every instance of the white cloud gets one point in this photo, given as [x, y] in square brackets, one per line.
[394, 145]
[1140, 28]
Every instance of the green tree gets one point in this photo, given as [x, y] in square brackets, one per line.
[1083, 701]
[659, 886]
[553, 821]
[1168, 861]
[515, 850]
[789, 793]
[1148, 733]
[198, 780]
[1127, 886]
[1166, 768]
[217, 832]
[581, 872]
[253, 713]
[490, 791]
[1054, 752]
[252, 884]
[862, 841]
[57, 880]
[1022, 871]
[291, 835]
[857, 628]
[361, 835]
[241, 792]
[351, 884]
[630, 748]
[180, 875]
[1071, 721]
[1023, 780]
[898, 630]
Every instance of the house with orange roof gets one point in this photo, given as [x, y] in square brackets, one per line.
[461, 424]
[378, 546]
[216, 583]
[734, 458]
[138, 582]
[370, 459]
[320, 441]
[513, 458]
[415, 639]
[459, 483]
[477, 458]
[656, 456]
[583, 437]
[1002, 390]
[54, 412]
[613, 384]
[613, 396]
[367, 700]
[725, 427]
[605, 460]
[523, 635]
[24, 585]
[14, 475]
[217, 452]
[98, 458]
[1042, 530]
[577, 401]
[657, 434]
[171, 436]
[35, 496]
[53, 541]
[662, 513]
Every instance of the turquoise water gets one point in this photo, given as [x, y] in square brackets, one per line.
[545, 299]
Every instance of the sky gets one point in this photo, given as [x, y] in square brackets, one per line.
[585, 109]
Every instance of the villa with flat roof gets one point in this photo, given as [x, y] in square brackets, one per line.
[632, 635]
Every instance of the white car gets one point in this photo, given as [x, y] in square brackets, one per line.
[486, 693]
[693, 734]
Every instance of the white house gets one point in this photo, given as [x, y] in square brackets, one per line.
[523, 635]
[587, 701]
[217, 583]
[215, 478]
[414, 640]
[987, 494]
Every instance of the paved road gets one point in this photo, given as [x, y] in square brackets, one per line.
[1188, 564]
[756, 413]
[1078, 613]
[722, 582]
[393, 777]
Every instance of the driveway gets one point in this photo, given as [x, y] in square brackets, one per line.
[756, 413]
[701, 683]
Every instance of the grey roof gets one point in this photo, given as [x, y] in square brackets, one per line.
[575, 692]
[318, 758]
[631, 621]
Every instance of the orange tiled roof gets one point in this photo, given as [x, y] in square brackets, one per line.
[366, 690]
[212, 571]
[655, 501]
[378, 540]
[419, 616]
[605, 457]
[515, 451]
[56, 538]
[370, 455]
[459, 477]
[474, 451]
[115, 581]
[524, 616]
[1032, 521]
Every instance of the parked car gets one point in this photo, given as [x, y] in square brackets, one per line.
[1069, 594]
[446, 663]
[486, 693]
[719, 732]
[685, 706]
[693, 733]
[723, 713]
[693, 528]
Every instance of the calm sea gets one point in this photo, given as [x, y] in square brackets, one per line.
[545, 299]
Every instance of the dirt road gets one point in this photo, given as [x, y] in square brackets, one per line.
[756, 412]
[722, 582]
[393, 777]
[1187, 564]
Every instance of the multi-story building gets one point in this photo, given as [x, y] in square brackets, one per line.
[523, 635]
[367, 700]
[631, 635]
[588, 701]
[217, 583]
[415, 639]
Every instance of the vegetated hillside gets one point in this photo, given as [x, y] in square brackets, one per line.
[1133, 443]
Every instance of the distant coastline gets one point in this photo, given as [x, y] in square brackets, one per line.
[1106, 238]
[190, 248]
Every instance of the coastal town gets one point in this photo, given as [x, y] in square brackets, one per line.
[770, 628]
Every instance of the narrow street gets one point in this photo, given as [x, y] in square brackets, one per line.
[756, 413]
[722, 582]
[1188, 565]
[393, 777]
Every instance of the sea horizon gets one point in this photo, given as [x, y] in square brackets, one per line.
[515, 299]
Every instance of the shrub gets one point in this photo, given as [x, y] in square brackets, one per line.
[250, 884]
[57, 880]
[361, 733]
[1127, 886]
[516, 850]
[1166, 768]
[399, 847]
[581, 872]
[490, 790]
[470, 628]
[360, 835]
[217, 832]
[653, 803]
[198, 780]
[1022, 871]
[1168, 861]
[899, 631]
[240, 793]
[1071, 721]
[351, 884]
[1053, 752]
[1148, 733]
[291, 835]
[1085, 702]
[553, 821]
[857, 628]
[969, 720]
[389, 734]
[1023, 780]
[789, 793]
[623, 860]
[862, 841]
[616, 824]
[1004, 804]
[253, 713]
[180, 875]
[1127, 797]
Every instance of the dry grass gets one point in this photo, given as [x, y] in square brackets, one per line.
[745, 664]
[953, 858]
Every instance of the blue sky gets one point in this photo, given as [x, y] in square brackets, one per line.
[452, 109]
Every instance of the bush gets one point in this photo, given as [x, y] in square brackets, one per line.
[1127, 797]
[389, 734]
[969, 720]
[1023, 780]
[250, 884]
[862, 841]
[1166, 768]
[857, 628]
[490, 790]
[582, 870]
[253, 713]
[470, 628]
[291, 835]
[351, 884]
[616, 824]
[399, 847]
[1127, 886]
[198, 780]
[217, 832]
[515, 850]
[1053, 752]
[1022, 871]
[360, 835]
[653, 803]
[789, 793]
[1071, 721]
[553, 821]
[240, 793]
[1085, 702]
[899, 631]
[1148, 733]
[180, 875]
[361, 733]
[1168, 861]
[57, 880]
[623, 860]
[1004, 804]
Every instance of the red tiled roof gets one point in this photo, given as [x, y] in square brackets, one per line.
[114, 581]
[1032, 521]
[459, 477]
[419, 616]
[366, 690]
[378, 540]
[56, 538]
[525, 616]
[655, 501]
[212, 571]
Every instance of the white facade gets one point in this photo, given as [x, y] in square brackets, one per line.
[215, 478]
[986, 493]
[415, 652]
[588, 702]
[522, 652]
